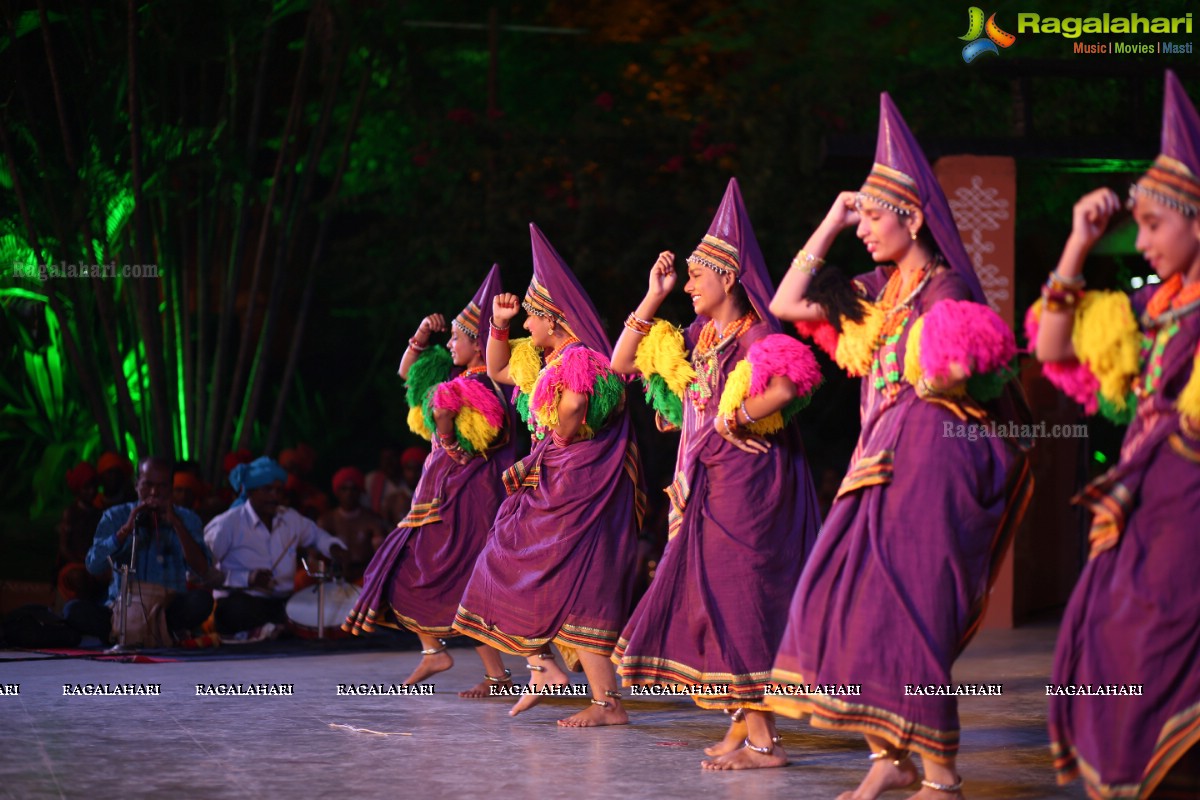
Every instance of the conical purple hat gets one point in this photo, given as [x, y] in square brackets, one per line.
[555, 292]
[730, 246]
[902, 180]
[1171, 179]
[468, 319]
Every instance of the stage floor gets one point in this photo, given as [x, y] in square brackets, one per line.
[182, 745]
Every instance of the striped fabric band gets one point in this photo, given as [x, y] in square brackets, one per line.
[892, 189]
[521, 476]
[716, 254]
[539, 303]
[423, 514]
[1171, 183]
[868, 471]
[468, 320]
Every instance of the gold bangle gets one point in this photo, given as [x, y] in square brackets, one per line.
[807, 262]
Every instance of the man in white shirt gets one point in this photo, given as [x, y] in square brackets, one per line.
[254, 545]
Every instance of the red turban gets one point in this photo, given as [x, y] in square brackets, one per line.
[233, 459]
[113, 461]
[188, 480]
[349, 475]
[80, 475]
[413, 455]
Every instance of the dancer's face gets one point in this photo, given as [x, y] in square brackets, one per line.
[886, 235]
[463, 349]
[540, 330]
[707, 288]
[1168, 240]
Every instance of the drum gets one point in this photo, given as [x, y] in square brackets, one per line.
[303, 612]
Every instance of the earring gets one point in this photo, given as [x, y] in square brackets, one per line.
[913, 234]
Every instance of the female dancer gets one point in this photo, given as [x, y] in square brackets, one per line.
[1134, 617]
[743, 507]
[559, 564]
[896, 583]
[419, 573]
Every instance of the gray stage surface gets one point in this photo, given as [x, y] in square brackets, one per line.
[178, 744]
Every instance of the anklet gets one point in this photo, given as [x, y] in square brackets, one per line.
[608, 693]
[535, 668]
[898, 757]
[949, 788]
[505, 678]
[736, 715]
[760, 750]
[435, 650]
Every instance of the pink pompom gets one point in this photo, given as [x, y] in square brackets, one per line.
[580, 368]
[966, 333]
[1072, 377]
[782, 355]
[1076, 381]
[824, 335]
[463, 391]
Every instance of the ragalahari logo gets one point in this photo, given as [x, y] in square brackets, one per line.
[976, 28]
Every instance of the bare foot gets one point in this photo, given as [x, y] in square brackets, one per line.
[745, 758]
[430, 665]
[735, 737]
[484, 689]
[885, 776]
[595, 716]
[552, 676]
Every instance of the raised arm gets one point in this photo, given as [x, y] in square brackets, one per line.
[662, 281]
[419, 343]
[788, 303]
[504, 309]
[1089, 219]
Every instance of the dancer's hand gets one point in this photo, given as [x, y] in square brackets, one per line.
[1091, 216]
[662, 276]
[434, 323]
[504, 308]
[728, 431]
[843, 213]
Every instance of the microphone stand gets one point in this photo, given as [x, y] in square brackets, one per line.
[125, 571]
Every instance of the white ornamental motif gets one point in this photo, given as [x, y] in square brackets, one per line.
[978, 211]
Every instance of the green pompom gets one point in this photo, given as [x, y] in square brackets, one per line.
[606, 398]
[431, 368]
[1115, 415]
[987, 386]
[660, 397]
[522, 406]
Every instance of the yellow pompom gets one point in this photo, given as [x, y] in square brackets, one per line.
[524, 363]
[473, 426]
[1106, 337]
[859, 340]
[912, 353]
[1189, 399]
[737, 387]
[661, 352]
[416, 423]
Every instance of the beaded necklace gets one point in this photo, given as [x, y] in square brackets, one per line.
[469, 371]
[709, 346]
[1172, 302]
[885, 367]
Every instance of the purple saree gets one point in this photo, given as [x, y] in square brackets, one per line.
[416, 578]
[1132, 618]
[741, 526]
[559, 563]
[897, 581]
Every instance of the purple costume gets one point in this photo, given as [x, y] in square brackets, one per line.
[741, 524]
[1134, 616]
[559, 563]
[896, 584]
[419, 573]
